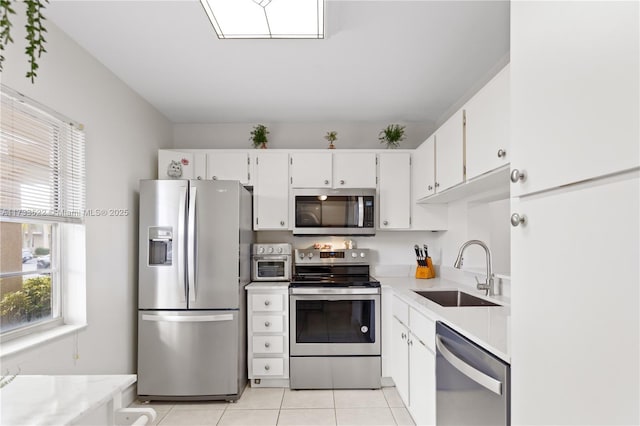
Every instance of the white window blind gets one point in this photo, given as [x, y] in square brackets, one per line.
[41, 162]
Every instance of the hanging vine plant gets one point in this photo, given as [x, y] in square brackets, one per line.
[35, 32]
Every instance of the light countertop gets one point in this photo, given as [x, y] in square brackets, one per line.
[58, 400]
[267, 285]
[489, 327]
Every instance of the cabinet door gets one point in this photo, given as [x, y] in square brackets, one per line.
[176, 165]
[229, 165]
[395, 190]
[311, 170]
[574, 91]
[271, 191]
[487, 127]
[400, 357]
[423, 172]
[354, 170]
[422, 383]
[450, 153]
[581, 244]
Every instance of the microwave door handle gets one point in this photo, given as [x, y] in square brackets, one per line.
[360, 212]
[191, 246]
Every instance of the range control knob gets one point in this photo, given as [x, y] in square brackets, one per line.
[362, 254]
[301, 255]
[270, 249]
[279, 249]
[261, 250]
[354, 254]
[310, 255]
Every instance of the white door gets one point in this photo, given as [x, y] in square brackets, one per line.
[271, 191]
[229, 165]
[395, 190]
[422, 383]
[450, 153]
[311, 170]
[400, 359]
[354, 170]
[487, 127]
[574, 91]
[423, 172]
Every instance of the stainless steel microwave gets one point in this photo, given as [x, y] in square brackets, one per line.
[334, 211]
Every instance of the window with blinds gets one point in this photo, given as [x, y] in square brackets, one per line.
[42, 190]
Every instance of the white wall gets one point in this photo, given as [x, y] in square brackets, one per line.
[123, 134]
[294, 135]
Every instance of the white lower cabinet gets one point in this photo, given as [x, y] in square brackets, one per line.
[414, 362]
[267, 332]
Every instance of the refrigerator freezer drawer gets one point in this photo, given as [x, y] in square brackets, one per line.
[188, 354]
[268, 367]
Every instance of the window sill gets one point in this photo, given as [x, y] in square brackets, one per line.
[33, 340]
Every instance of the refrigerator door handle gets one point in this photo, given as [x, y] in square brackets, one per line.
[191, 246]
[181, 254]
[477, 376]
[190, 318]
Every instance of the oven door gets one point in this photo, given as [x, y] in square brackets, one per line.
[334, 321]
[271, 268]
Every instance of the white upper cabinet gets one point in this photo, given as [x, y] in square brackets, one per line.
[423, 175]
[487, 127]
[271, 191]
[311, 170]
[395, 190]
[229, 165]
[354, 170]
[450, 152]
[181, 165]
[574, 91]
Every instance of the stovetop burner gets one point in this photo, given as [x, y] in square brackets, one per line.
[332, 269]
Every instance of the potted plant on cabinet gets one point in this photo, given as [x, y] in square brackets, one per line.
[259, 136]
[392, 135]
[331, 137]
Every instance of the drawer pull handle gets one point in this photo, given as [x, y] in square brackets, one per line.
[267, 323]
[267, 344]
[267, 368]
[267, 302]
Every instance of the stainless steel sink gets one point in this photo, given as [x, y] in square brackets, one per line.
[454, 298]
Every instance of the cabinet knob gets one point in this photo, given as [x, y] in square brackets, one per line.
[341, 182]
[386, 222]
[214, 177]
[430, 187]
[403, 336]
[282, 223]
[326, 182]
[267, 323]
[437, 184]
[267, 302]
[267, 344]
[517, 175]
[267, 367]
[516, 219]
[502, 153]
[410, 342]
[199, 178]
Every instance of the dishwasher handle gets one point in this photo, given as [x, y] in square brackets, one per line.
[477, 376]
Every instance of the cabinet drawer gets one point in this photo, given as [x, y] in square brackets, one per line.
[267, 366]
[267, 302]
[400, 310]
[271, 323]
[423, 328]
[268, 344]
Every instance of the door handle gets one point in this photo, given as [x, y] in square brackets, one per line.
[191, 246]
[477, 376]
[188, 318]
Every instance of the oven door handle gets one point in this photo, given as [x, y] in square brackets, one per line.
[331, 291]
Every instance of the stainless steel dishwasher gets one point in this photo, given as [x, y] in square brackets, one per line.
[472, 385]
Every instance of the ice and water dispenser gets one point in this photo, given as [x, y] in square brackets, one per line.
[160, 245]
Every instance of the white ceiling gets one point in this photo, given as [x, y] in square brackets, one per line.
[394, 61]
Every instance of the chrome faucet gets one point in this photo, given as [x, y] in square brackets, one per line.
[488, 285]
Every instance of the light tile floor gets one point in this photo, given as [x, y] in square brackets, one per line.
[277, 406]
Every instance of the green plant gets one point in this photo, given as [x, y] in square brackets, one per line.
[33, 301]
[259, 135]
[41, 251]
[331, 136]
[35, 30]
[392, 135]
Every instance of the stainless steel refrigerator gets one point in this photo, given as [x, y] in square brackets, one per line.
[194, 262]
